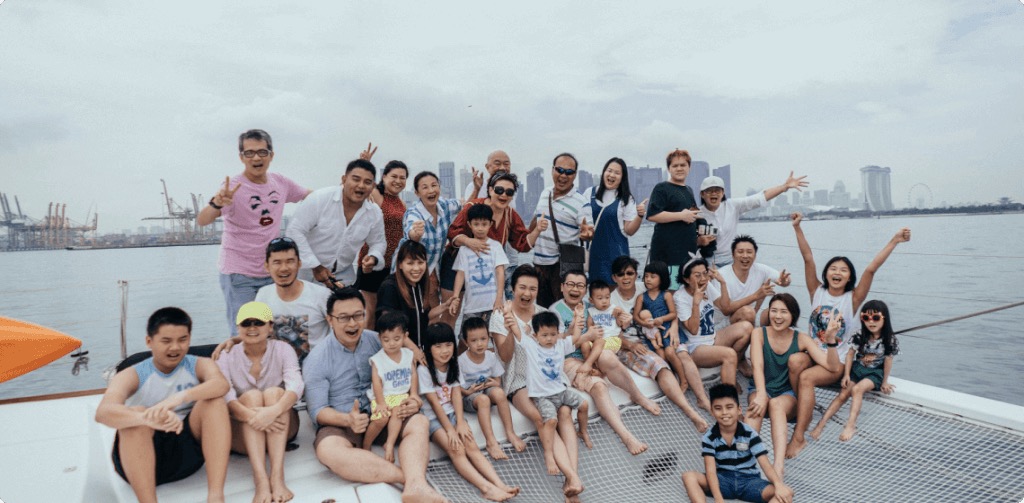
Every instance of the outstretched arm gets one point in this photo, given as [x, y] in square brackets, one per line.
[810, 276]
[860, 292]
[790, 183]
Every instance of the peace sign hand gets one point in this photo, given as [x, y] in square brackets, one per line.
[784, 278]
[586, 231]
[226, 193]
[367, 154]
[478, 180]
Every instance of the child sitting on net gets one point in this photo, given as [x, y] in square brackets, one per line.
[545, 357]
[393, 375]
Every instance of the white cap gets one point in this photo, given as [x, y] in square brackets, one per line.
[712, 181]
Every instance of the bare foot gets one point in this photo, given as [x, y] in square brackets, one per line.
[214, 498]
[517, 443]
[496, 452]
[511, 490]
[551, 466]
[389, 453]
[586, 438]
[795, 446]
[280, 491]
[745, 369]
[633, 445]
[706, 405]
[495, 494]
[848, 432]
[698, 421]
[816, 432]
[263, 494]
[420, 493]
[649, 405]
[572, 487]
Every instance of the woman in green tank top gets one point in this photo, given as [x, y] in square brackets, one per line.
[770, 349]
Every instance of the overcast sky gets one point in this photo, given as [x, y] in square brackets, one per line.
[100, 99]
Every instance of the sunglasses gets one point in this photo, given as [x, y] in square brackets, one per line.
[281, 240]
[565, 171]
[871, 317]
[252, 322]
[503, 191]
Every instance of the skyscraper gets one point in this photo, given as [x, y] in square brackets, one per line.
[584, 181]
[446, 171]
[840, 198]
[877, 191]
[465, 179]
[533, 187]
[725, 173]
[821, 197]
[699, 170]
[642, 181]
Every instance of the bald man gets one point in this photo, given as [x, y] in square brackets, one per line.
[496, 161]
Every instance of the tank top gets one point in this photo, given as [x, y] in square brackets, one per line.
[776, 366]
[657, 306]
[155, 386]
[395, 377]
[394, 210]
[822, 306]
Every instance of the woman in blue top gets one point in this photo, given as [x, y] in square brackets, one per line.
[616, 216]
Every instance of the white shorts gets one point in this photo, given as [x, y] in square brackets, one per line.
[695, 342]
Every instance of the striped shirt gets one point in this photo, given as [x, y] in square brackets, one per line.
[434, 236]
[738, 457]
[569, 215]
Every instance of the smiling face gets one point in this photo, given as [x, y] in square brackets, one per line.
[347, 320]
[392, 340]
[612, 176]
[169, 345]
[428, 190]
[573, 289]
[413, 268]
[744, 255]
[678, 170]
[712, 197]
[256, 167]
[394, 181]
[779, 316]
[698, 278]
[283, 267]
[525, 291]
[726, 411]
[498, 160]
[547, 336]
[357, 185]
[563, 183]
[254, 332]
[477, 340]
[626, 279]
[442, 353]
[837, 275]
[503, 200]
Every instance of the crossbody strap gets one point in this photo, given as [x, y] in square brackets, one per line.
[554, 223]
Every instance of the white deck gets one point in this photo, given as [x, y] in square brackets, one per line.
[54, 451]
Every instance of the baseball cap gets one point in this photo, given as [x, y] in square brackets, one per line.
[712, 181]
[256, 310]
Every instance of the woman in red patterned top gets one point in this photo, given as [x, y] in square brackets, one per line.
[386, 195]
[507, 227]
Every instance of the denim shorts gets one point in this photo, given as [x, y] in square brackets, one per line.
[741, 486]
[436, 425]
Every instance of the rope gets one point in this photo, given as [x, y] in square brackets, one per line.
[841, 250]
[963, 317]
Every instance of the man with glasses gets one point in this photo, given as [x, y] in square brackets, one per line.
[333, 223]
[250, 224]
[563, 205]
[337, 374]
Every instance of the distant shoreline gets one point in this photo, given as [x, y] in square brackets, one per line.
[916, 213]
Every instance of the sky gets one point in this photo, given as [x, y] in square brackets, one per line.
[99, 100]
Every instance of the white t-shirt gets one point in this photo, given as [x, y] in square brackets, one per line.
[515, 369]
[626, 212]
[627, 305]
[684, 307]
[822, 306]
[605, 320]
[444, 391]
[396, 377]
[759, 273]
[727, 218]
[544, 366]
[472, 373]
[480, 281]
[301, 322]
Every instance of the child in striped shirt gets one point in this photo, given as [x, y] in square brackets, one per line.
[730, 448]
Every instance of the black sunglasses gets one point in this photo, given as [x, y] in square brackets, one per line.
[281, 240]
[503, 191]
[565, 171]
[252, 322]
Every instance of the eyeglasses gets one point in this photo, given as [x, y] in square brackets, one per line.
[252, 322]
[503, 191]
[565, 171]
[345, 319]
[249, 154]
[871, 317]
[578, 286]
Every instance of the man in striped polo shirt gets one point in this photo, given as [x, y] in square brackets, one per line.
[730, 449]
[563, 205]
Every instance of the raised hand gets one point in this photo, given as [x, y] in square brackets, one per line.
[834, 323]
[357, 420]
[784, 278]
[795, 182]
[578, 316]
[510, 319]
[417, 230]
[478, 181]
[641, 209]
[796, 217]
[902, 236]
[766, 290]
[367, 154]
[226, 194]
[542, 223]
[586, 231]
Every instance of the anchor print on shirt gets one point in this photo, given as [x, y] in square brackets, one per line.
[261, 207]
[550, 370]
[483, 278]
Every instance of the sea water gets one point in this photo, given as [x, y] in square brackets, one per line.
[954, 265]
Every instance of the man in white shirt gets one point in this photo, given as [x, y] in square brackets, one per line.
[564, 206]
[749, 283]
[332, 224]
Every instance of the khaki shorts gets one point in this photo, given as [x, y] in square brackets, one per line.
[356, 439]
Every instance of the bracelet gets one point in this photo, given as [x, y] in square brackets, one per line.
[832, 344]
[214, 205]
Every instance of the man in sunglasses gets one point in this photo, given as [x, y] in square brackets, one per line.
[250, 223]
[333, 223]
[337, 375]
[563, 205]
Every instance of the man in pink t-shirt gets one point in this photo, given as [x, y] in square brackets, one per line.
[251, 205]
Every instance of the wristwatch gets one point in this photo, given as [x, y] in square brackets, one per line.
[832, 344]
[214, 205]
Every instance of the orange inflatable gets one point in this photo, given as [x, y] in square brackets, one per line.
[25, 347]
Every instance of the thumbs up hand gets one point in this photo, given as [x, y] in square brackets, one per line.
[586, 231]
[641, 209]
[357, 420]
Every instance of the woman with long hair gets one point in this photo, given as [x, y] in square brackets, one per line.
[386, 195]
[405, 291]
[616, 217]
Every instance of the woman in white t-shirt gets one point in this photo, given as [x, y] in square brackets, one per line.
[616, 216]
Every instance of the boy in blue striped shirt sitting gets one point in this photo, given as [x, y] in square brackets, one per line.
[730, 449]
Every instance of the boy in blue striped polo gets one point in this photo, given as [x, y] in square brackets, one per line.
[730, 449]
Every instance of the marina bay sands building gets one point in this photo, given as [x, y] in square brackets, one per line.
[877, 191]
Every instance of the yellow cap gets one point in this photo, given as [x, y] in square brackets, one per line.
[257, 310]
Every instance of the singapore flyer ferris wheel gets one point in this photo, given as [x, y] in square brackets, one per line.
[919, 196]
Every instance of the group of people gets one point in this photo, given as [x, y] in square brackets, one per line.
[392, 321]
